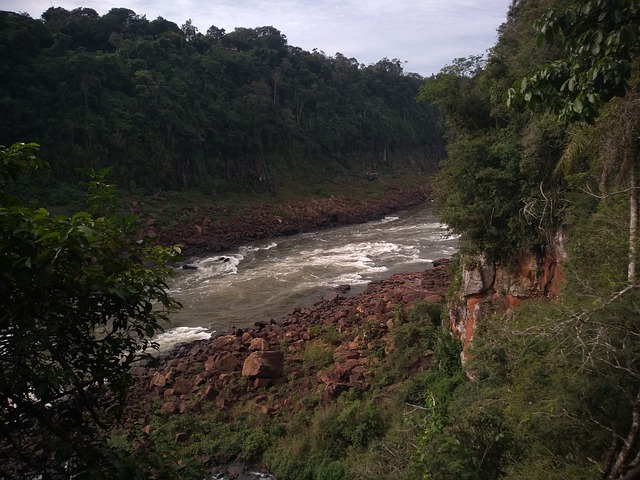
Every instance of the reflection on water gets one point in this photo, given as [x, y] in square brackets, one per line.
[267, 279]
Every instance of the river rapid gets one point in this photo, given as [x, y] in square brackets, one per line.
[268, 278]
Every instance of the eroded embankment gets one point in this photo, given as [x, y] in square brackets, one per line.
[214, 228]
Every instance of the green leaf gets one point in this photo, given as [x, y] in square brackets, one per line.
[48, 236]
[578, 106]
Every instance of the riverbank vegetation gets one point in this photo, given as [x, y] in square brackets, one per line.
[361, 434]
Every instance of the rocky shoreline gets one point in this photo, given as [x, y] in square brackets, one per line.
[271, 368]
[338, 343]
[217, 228]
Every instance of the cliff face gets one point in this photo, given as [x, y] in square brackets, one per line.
[489, 286]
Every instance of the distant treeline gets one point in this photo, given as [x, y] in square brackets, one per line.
[170, 107]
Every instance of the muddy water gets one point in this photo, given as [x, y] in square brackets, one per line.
[267, 279]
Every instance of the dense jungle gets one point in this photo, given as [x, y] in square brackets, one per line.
[517, 358]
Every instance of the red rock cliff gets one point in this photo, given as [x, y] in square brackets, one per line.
[488, 286]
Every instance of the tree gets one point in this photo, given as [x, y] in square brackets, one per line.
[215, 33]
[189, 30]
[80, 300]
[598, 40]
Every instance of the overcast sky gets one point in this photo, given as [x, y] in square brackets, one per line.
[426, 34]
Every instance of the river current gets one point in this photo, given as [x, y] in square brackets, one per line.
[267, 279]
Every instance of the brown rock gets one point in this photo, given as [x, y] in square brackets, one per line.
[333, 390]
[182, 386]
[182, 367]
[210, 364]
[246, 338]
[158, 380]
[169, 408]
[226, 363]
[433, 298]
[264, 364]
[210, 392]
[229, 377]
[259, 382]
[259, 344]
[225, 342]
[168, 392]
[323, 377]
[181, 437]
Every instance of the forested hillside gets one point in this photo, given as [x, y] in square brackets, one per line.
[543, 156]
[170, 107]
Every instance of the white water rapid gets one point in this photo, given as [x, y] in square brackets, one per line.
[267, 279]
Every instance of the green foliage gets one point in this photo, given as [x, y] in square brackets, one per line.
[371, 434]
[492, 189]
[552, 385]
[171, 108]
[552, 382]
[598, 40]
[318, 451]
[317, 355]
[81, 301]
[212, 437]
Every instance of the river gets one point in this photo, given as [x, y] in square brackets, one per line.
[268, 278]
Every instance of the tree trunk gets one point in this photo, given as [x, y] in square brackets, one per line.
[633, 224]
[629, 442]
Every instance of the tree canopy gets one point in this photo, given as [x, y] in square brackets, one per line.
[597, 41]
[81, 300]
[170, 107]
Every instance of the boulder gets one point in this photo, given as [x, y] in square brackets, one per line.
[211, 392]
[158, 380]
[225, 342]
[259, 344]
[226, 363]
[246, 338]
[223, 363]
[182, 386]
[169, 408]
[264, 364]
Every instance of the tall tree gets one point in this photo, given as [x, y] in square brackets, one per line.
[599, 42]
[80, 301]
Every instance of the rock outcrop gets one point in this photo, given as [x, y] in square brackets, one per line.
[489, 286]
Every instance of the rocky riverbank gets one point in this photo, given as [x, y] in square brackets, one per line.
[342, 342]
[214, 228]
